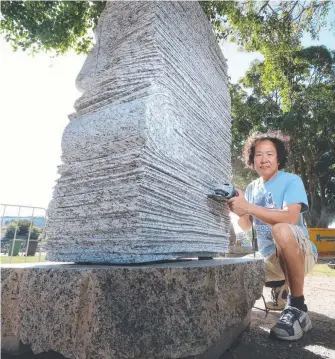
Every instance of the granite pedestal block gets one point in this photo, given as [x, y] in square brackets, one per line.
[169, 310]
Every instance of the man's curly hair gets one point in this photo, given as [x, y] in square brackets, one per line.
[279, 140]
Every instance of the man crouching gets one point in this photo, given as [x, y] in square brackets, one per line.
[274, 204]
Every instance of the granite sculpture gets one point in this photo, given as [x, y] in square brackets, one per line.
[149, 140]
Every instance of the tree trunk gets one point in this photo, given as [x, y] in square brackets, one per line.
[313, 196]
[324, 217]
[303, 171]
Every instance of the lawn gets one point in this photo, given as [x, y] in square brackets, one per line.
[21, 259]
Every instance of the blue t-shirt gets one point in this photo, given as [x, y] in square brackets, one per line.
[278, 192]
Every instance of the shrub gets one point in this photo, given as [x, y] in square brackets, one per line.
[10, 230]
[23, 229]
[34, 233]
[24, 226]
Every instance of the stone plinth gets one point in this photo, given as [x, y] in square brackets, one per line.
[170, 310]
[148, 142]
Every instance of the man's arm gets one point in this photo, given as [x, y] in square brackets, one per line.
[241, 207]
[290, 214]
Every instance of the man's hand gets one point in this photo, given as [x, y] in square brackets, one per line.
[239, 205]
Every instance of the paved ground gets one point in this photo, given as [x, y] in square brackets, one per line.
[256, 344]
[318, 343]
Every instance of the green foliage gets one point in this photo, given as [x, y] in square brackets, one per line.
[262, 25]
[35, 232]
[50, 25]
[255, 25]
[10, 230]
[274, 29]
[23, 227]
[303, 107]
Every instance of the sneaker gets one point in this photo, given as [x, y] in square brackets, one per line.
[291, 325]
[279, 298]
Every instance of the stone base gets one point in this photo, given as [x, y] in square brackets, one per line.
[192, 309]
[12, 346]
[226, 340]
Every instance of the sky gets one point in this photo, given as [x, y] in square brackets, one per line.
[37, 94]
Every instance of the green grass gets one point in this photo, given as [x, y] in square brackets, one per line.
[322, 270]
[21, 259]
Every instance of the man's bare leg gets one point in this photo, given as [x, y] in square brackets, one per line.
[291, 256]
[294, 320]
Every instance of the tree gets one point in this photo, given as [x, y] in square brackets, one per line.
[302, 105]
[249, 23]
[50, 25]
[64, 25]
[310, 121]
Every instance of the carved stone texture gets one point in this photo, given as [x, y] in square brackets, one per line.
[173, 310]
[148, 142]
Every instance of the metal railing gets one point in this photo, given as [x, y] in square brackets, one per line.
[18, 218]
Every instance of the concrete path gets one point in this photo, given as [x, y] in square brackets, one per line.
[318, 343]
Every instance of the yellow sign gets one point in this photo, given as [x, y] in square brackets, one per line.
[324, 240]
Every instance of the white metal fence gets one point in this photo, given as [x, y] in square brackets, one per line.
[12, 245]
